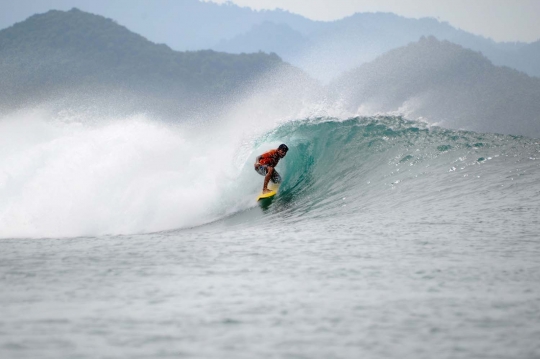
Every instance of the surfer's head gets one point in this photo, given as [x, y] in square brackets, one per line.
[282, 150]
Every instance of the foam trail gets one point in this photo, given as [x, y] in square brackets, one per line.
[75, 174]
[118, 176]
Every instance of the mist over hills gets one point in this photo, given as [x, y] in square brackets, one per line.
[447, 84]
[323, 49]
[338, 46]
[74, 59]
[79, 58]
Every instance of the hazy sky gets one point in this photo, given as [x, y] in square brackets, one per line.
[501, 20]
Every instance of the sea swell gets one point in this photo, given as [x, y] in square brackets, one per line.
[390, 166]
[139, 176]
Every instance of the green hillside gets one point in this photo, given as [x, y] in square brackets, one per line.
[66, 54]
[447, 84]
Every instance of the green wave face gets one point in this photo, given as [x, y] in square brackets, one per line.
[387, 165]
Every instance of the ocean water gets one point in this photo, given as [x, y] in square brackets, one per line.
[388, 239]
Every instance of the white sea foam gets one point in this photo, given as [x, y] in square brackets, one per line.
[69, 178]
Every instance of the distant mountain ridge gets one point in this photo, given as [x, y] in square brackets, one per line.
[338, 46]
[324, 49]
[447, 84]
[65, 54]
[76, 59]
[183, 25]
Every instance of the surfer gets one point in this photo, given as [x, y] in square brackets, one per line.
[265, 164]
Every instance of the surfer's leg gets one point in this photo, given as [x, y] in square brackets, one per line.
[276, 178]
[269, 174]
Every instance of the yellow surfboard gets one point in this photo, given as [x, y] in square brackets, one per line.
[273, 191]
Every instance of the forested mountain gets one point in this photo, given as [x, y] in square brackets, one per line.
[334, 47]
[73, 54]
[75, 59]
[181, 24]
[444, 83]
[277, 38]
[527, 59]
[324, 49]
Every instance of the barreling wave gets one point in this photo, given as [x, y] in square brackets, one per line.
[390, 165]
[136, 176]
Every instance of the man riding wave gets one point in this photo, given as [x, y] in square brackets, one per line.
[265, 165]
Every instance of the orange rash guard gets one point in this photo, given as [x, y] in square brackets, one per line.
[270, 158]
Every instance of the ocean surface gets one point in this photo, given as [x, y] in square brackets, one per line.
[388, 239]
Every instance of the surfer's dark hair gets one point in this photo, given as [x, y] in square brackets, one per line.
[283, 147]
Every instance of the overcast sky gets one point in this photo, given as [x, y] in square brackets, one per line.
[501, 20]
